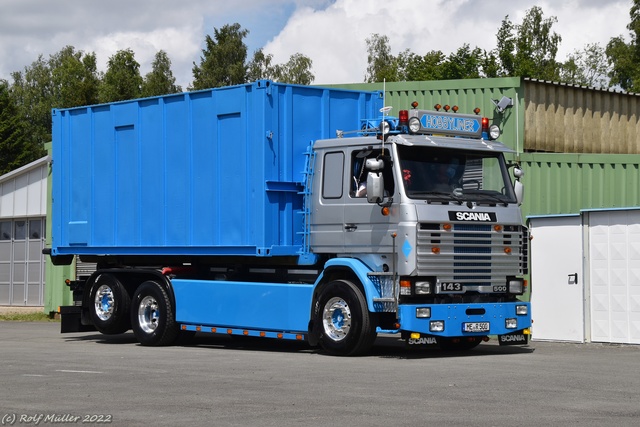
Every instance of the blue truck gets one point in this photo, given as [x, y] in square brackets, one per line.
[288, 212]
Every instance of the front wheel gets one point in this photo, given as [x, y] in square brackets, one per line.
[344, 320]
[152, 315]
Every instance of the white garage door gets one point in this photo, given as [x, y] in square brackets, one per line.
[557, 290]
[614, 268]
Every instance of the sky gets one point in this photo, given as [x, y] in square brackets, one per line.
[332, 33]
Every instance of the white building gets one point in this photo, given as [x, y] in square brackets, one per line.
[23, 209]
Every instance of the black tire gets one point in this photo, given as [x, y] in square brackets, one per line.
[152, 315]
[109, 305]
[461, 344]
[343, 319]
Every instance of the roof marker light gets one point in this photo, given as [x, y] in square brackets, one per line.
[476, 110]
[437, 107]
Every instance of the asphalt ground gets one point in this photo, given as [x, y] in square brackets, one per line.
[50, 378]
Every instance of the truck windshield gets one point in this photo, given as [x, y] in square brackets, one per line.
[437, 174]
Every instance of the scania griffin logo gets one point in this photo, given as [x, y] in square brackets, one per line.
[472, 216]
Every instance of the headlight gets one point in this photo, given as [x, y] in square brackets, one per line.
[423, 312]
[516, 286]
[423, 288]
[511, 323]
[522, 310]
[436, 326]
[494, 132]
[414, 125]
[385, 127]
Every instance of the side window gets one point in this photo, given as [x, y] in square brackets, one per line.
[359, 172]
[332, 175]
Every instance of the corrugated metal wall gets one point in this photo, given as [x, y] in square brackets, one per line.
[568, 183]
[569, 119]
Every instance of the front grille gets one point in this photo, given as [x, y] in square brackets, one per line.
[472, 254]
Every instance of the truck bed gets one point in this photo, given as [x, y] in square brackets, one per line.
[207, 173]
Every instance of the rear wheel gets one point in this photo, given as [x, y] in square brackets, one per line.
[152, 315]
[110, 304]
[344, 320]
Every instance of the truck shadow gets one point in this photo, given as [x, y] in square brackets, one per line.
[385, 346]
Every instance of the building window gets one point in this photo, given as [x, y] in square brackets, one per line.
[35, 229]
[20, 230]
[5, 230]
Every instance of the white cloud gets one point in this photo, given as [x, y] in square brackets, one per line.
[331, 33]
[334, 38]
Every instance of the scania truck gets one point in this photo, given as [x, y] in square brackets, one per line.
[289, 212]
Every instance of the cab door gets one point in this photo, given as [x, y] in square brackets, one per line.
[366, 229]
[327, 216]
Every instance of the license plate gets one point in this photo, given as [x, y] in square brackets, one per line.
[475, 327]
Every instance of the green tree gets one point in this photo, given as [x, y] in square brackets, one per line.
[414, 67]
[75, 78]
[223, 60]
[465, 63]
[506, 48]
[160, 81]
[122, 79]
[530, 48]
[382, 65]
[33, 93]
[261, 67]
[15, 148]
[67, 79]
[297, 70]
[587, 67]
[624, 57]
[490, 65]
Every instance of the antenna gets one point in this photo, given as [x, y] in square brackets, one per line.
[384, 110]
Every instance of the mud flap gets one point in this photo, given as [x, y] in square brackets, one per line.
[71, 320]
[515, 338]
[423, 341]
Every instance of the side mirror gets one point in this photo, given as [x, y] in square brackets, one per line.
[374, 164]
[375, 187]
[518, 187]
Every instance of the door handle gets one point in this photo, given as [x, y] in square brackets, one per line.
[350, 227]
[573, 276]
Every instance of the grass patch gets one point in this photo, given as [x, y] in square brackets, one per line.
[26, 317]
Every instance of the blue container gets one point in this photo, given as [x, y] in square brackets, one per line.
[213, 172]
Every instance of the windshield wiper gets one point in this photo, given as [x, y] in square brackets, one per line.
[436, 194]
[493, 197]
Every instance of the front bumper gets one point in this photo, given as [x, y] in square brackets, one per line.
[485, 319]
